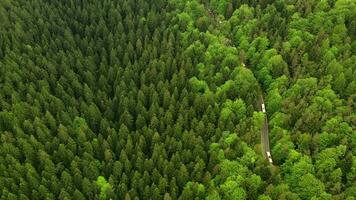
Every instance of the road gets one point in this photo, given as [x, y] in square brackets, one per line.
[264, 132]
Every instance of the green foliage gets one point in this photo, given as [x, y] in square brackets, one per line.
[198, 85]
[104, 186]
[237, 108]
[277, 66]
[220, 6]
[162, 99]
[258, 120]
[231, 190]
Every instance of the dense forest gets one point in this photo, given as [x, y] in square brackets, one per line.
[159, 99]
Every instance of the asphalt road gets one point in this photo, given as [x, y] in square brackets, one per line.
[264, 132]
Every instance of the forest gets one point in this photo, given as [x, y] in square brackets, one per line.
[160, 99]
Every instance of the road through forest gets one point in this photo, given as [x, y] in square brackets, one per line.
[264, 130]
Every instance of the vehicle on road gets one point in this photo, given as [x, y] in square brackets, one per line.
[269, 157]
[263, 107]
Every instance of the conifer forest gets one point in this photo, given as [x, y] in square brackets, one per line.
[177, 99]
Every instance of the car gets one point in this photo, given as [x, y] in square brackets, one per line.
[263, 107]
[269, 157]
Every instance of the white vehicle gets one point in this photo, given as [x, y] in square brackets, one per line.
[263, 107]
[269, 157]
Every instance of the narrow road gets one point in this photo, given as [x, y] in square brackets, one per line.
[264, 133]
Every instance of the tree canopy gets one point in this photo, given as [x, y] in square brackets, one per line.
[160, 99]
